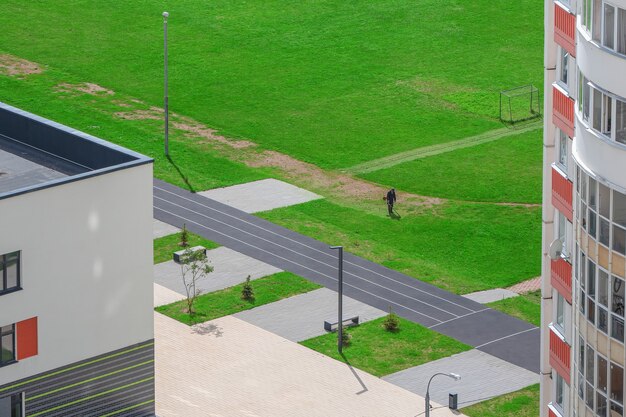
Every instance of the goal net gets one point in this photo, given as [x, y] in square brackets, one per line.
[519, 104]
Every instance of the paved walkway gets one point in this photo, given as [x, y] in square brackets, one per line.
[426, 151]
[230, 268]
[261, 195]
[163, 296]
[160, 229]
[489, 296]
[490, 331]
[229, 368]
[302, 317]
[482, 377]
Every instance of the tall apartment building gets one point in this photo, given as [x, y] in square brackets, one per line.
[584, 194]
[76, 319]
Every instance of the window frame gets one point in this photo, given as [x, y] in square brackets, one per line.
[2, 335]
[16, 399]
[4, 280]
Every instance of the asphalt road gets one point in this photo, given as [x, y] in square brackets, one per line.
[467, 321]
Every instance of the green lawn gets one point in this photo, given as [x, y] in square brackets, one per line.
[228, 301]
[379, 352]
[461, 247]
[526, 307]
[507, 170]
[522, 403]
[331, 82]
[166, 245]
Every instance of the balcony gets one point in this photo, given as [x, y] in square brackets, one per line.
[562, 111]
[562, 190]
[560, 353]
[561, 278]
[565, 28]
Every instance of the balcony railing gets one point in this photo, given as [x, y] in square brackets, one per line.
[565, 29]
[560, 353]
[561, 278]
[562, 111]
[562, 190]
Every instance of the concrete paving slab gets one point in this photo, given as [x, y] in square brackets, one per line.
[230, 368]
[302, 317]
[490, 296]
[260, 195]
[161, 229]
[483, 376]
[163, 296]
[231, 268]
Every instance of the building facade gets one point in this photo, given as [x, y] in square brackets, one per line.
[584, 209]
[76, 319]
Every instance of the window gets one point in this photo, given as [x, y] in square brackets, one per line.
[602, 374]
[617, 383]
[597, 110]
[563, 149]
[601, 405]
[605, 198]
[9, 272]
[11, 406]
[586, 99]
[7, 344]
[560, 390]
[603, 288]
[560, 311]
[596, 28]
[621, 31]
[619, 240]
[564, 66]
[620, 121]
[609, 26]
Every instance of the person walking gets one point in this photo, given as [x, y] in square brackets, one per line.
[391, 199]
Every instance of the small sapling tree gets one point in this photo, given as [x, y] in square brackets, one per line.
[391, 322]
[194, 267]
[184, 237]
[247, 292]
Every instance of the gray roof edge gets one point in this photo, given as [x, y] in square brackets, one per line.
[75, 132]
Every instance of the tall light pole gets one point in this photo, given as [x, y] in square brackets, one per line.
[340, 300]
[456, 377]
[165, 103]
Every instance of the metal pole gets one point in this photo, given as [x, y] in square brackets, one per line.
[165, 104]
[340, 300]
[427, 399]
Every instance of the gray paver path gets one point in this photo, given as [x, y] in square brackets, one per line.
[302, 317]
[161, 229]
[482, 377]
[490, 296]
[261, 195]
[230, 268]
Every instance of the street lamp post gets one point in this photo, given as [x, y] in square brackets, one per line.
[456, 377]
[165, 104]
[340, 300]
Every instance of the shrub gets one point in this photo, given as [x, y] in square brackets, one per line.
[391, 322]
[184, 237]
[346, 338]
[247, 292]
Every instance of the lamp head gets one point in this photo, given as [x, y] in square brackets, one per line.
[456, 377]
[166, 15]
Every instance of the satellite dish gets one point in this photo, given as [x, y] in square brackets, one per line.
[555, 249]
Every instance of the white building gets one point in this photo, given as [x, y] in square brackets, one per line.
[76, 319]
[584, 190]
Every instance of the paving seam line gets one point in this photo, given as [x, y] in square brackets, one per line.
[308, 257]
[312, 248]
[424, 152]
[459, 317]
[506, 337]
[300, 265]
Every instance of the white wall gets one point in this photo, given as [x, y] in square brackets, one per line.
[600, 66]
[86, 267]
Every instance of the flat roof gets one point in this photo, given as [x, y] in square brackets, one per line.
[37, 153]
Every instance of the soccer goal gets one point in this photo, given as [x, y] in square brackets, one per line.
[519, 104]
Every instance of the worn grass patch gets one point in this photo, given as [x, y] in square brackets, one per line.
[459, 247]
[228, 301]
[526, 307]
[506, 170]
[166, 245]
[379, 352]
[522, 403]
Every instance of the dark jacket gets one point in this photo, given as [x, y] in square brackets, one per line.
[391, 197]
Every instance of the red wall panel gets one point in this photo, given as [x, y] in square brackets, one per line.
[561, 278]
[27, 343]
[562, 194]
[563, 111]
[565, 29]
[560, 356]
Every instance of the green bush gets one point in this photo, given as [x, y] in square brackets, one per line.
[247, 292]
[392, 322]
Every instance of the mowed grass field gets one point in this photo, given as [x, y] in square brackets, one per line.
[330, 82]
[333, 83]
